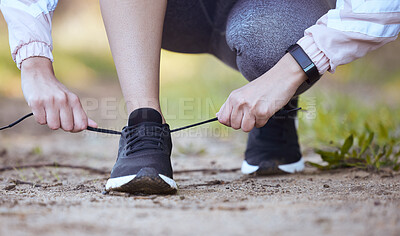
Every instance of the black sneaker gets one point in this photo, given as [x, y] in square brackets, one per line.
[143, 164]
[274, 148]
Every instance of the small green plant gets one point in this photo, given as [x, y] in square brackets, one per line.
[191, 149]
[20, 173]
[364, 154]
[54, 173]
[37, 150]
[37, 175]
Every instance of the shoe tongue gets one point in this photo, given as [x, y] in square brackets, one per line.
[144, 115]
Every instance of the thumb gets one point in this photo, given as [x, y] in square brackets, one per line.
[92, 123]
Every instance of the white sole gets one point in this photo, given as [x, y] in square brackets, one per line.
[288, 168]
[120, 181]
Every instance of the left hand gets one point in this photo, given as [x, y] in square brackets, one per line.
[253, 104]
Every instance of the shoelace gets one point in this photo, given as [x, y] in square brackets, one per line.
[144, 137]
[109, 131]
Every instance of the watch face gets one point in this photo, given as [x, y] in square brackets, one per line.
[305, 63]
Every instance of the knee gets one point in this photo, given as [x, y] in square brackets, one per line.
[260, 35]
[258, 46]
[253, 57]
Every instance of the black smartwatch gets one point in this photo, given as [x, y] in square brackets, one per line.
[305, 63]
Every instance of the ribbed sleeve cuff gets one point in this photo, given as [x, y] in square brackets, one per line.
[32, 49]
[319, 58]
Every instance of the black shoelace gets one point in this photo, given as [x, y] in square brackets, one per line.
[109, 131]
[144, 137]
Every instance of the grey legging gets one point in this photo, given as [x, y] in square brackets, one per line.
[248, 35]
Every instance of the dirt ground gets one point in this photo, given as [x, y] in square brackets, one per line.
[69, 201]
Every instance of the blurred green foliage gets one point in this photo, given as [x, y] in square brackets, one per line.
[337, 115]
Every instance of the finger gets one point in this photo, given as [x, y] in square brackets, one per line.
[39, 114]
[219, 113]
[67, 119]
[80, 119]
[248, 122]
[92, 123]
[224, 114]
[236, 118]
[260, 122]
[53, 117]
[79, 115]
[262, 115]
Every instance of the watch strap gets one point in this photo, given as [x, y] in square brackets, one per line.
[305, 63]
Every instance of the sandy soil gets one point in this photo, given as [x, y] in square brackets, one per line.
[68, 201]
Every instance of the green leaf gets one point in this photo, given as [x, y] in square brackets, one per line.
[321, 167]
[397, 154]
[389, 152]
[368, 128]
[329, 157]
[337, 156]
[361, 139]
[381, 154]
[367, 143]
[383, 130]
[358, 165]
[354, 153]
[396, 165]
[355, 160]
[377, 165]
[348, 143]
[368, 159]
[375, 150]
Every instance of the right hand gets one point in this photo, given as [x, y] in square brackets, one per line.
[51, 102]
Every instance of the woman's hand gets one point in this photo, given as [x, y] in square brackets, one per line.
[51, 102]
[253, 104]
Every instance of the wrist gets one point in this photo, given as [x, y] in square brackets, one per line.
[37, 64]
[293, 74]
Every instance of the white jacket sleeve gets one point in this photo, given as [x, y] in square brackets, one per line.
[29, 27]
[350, 31]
